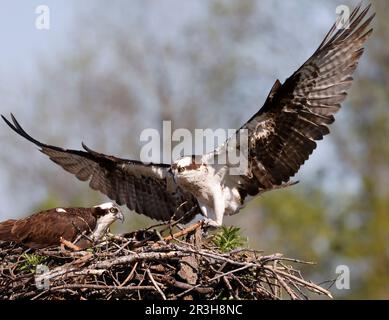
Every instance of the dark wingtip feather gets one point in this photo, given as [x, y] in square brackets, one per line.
[84, 146]
[355, 20]
[8, 123]
[20, 131]
[92, 152]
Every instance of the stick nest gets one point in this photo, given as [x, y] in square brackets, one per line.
[144, 265]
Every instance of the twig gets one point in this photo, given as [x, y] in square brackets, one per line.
[229, 287]
[155, 284]
[129, 277]
[138, 257]
[184, 232]
[101, 287]
[69, 244]
[311, 285]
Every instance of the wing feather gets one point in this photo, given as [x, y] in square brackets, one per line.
[296, 114]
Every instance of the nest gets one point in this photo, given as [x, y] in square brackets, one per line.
[144, 265]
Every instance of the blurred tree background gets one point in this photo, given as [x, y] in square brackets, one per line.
[210, 64]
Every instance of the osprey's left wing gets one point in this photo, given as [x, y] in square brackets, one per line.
[147, 189]
[282, 135]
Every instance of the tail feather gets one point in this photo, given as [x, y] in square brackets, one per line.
[6, 230]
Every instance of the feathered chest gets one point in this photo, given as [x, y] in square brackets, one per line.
[202, 182]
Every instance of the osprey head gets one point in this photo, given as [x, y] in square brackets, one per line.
[108, 213]
[185, 165]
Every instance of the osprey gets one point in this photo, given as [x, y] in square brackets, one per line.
[46, 228]
[281, 137]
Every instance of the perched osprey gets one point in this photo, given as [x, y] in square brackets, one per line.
[281, 137]
[45, 228]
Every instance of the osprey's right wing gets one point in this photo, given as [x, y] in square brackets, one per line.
[283, 133]
[147, 189]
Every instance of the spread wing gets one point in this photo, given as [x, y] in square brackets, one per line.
[282, 135]
[147, 189]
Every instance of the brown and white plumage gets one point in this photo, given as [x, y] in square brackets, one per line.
[281, 137]
[282, 134]
[46, 228]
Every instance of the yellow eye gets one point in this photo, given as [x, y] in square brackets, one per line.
[113, 210]
[181, 169]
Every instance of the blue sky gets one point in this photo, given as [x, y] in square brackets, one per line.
[24, 43]
[24, 47]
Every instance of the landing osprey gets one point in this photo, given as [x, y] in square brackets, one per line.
[45, 228]
[281, 137]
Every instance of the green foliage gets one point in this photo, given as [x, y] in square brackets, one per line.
[31, 261]
[229, 238]
[295, 221]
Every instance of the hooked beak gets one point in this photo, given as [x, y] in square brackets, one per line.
[120, 216]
